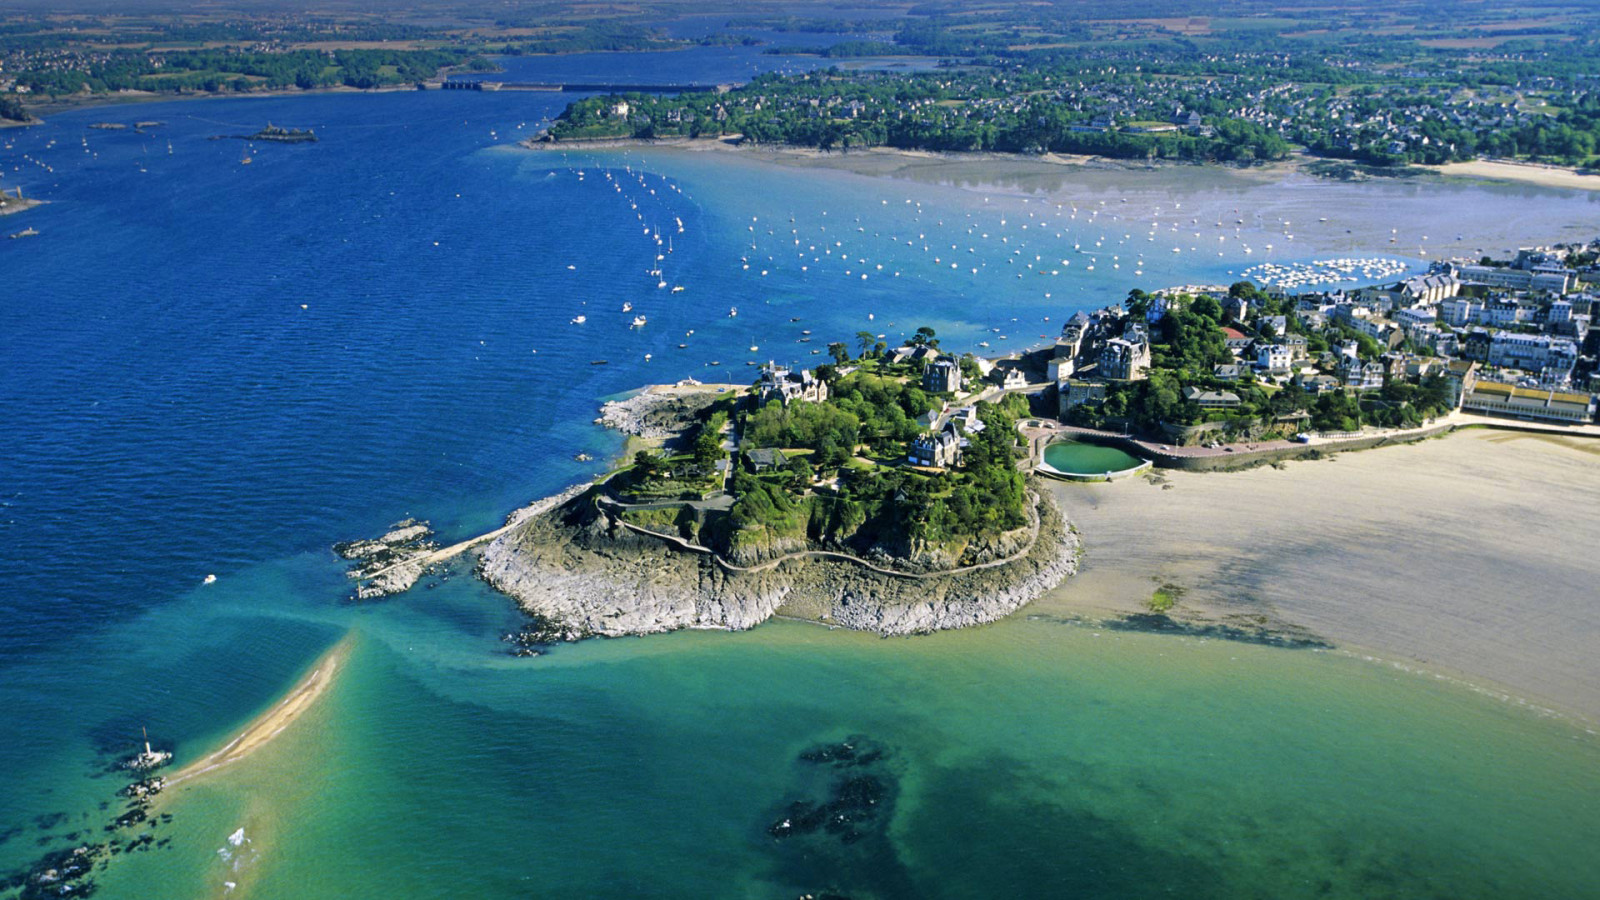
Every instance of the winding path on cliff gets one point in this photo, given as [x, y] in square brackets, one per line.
[1027, 548]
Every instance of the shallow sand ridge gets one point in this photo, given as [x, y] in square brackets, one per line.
[281, 715]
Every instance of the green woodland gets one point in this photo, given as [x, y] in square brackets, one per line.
[905, 112]
[844, 484]
[230, 70]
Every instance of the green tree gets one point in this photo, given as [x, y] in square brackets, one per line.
[1138, 303]
[645, 464]
[801, 472]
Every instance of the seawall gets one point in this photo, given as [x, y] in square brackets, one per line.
[1242, 459]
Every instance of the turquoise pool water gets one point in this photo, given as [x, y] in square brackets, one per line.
[1079, 458]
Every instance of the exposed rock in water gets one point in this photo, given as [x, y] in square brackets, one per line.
[855, 801]
[581, 572]
[389, 564]
[855, 805]
[148, 787]
[64, 873]
[537, 635]
[855, 750]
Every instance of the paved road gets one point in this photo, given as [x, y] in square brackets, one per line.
[1046, 430]
[719, 502]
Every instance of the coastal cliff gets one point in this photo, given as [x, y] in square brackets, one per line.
[585, 572]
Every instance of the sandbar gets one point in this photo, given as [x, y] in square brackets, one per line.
[274, 720]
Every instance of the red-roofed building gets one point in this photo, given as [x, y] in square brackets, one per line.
[1236, 340]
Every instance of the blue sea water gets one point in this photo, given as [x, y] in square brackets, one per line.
[220, 367]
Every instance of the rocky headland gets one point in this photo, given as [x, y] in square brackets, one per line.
[579, 570]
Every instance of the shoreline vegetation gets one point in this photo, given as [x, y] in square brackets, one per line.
[853, 557]
[816, 493]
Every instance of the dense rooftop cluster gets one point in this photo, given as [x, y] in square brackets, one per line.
[1512, 337]
[1123, 112]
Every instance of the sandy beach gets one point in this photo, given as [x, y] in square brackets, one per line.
[1521, 173]
[890, 161]
[896, 162]
[1463, 553]
[274, 720]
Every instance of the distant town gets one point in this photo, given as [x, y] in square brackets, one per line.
[1228, 111]
[1369, 84]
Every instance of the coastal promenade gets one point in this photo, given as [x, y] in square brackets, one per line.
[1038, 433]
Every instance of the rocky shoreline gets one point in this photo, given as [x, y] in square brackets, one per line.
[389, 564]
[579, 572]
[655, 414]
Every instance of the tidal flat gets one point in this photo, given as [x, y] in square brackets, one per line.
[1462, 553]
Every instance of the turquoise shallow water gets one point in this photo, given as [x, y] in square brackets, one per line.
[173, 411]
[1028, 758]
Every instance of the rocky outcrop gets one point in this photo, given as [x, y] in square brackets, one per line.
[655, 414]
[582, 572]
[389, 564]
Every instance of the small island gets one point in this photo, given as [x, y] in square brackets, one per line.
[276, 134]
[875, 492]
[13, 203]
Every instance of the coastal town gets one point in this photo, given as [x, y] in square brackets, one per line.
[909, 479]
[1507, 338]
[1065, 108]
[1225, 368]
